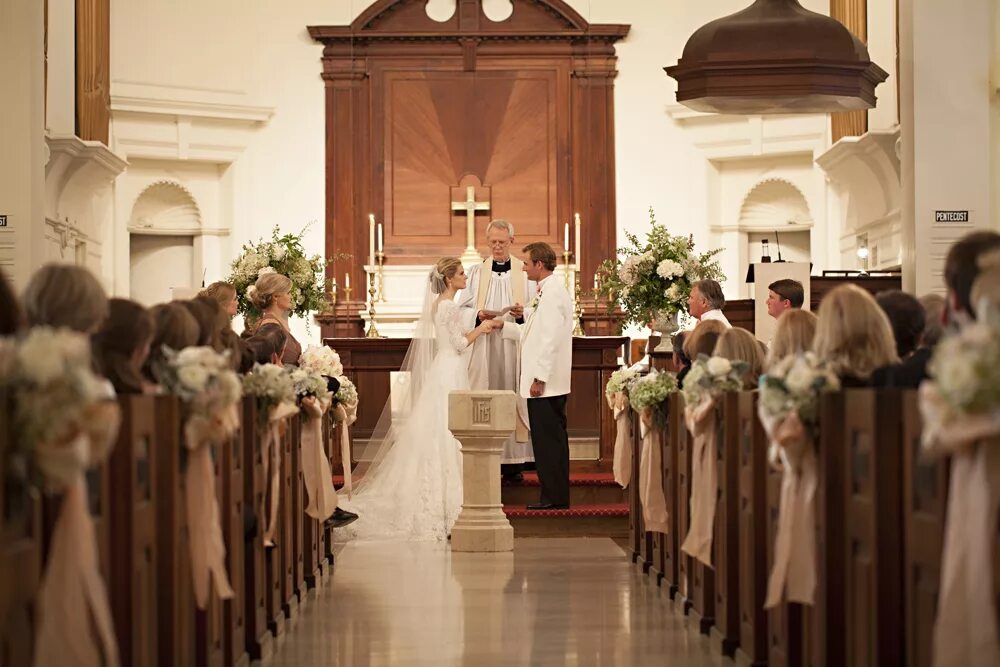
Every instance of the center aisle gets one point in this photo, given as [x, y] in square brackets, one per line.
[555, 601]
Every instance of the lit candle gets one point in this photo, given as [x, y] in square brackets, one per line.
[380, 237]
[566, 237]
[347, 281]
[371, 239]
[597, 283]
[577, 230]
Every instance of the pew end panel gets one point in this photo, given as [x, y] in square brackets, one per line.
[753, 533]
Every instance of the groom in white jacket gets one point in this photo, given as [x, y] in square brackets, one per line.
[546, 360]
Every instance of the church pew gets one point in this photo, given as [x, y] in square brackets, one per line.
[784, 623]
[727, 524]
[752, 553]
[258, 637]
[209, 624]
[685, 569]
[133, 592]
[175, 639]
[232, 510]
[823, 630]
[274, 559]
[20, 558]
[636, 532]
[297, 510]
[671, 543]
[873, 495]
[925, 493]
[286, 533]
[331, 440]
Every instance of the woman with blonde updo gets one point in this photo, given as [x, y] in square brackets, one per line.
[794, 335]
[413, 487]
[853, 335]
[738, 344]
[272, 294]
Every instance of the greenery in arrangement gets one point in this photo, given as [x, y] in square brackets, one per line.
[794, 386]
[710, 376]
[653, 278]
[651, 390]
[284, 254]
[270, 384]
[622, 380]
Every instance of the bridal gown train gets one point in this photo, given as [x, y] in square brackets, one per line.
[416, 491]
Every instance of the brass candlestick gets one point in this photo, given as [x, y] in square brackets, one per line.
[372, 331]
[347, 294]
[577, 308]
[566, 255]
[380, 258]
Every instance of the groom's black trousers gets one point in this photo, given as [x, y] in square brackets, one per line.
[547, 419]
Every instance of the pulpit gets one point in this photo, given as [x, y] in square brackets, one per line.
[368, 362]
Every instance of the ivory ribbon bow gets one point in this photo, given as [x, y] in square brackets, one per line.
[622, 463]
[208, 550]
[700, 420]
[793, 574]
[965, 632]
[272, 462]
[316, 475]
[654, 502]
[72, 591]
[346, 415]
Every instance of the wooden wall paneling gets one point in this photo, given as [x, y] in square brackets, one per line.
[727, 524]
[234, 528]
[753, 533]
[133, 591]
[258, 638]
[671, 542]
[93, 69]
[925, 496]
[854, 15]
[685, 568]
[20, 556]
[175, 640]
[874, 539]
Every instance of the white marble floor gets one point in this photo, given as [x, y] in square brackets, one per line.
[568, 601]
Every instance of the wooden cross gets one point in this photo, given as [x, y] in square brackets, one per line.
[470, 206]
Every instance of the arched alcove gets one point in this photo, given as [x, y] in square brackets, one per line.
[164, 222]
[775, 205]
[165, 207]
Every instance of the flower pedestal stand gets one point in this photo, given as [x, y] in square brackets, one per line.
[482, 421]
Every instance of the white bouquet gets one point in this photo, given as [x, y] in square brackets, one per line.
[53, 392]
[309, 383]
[710, 376]
[651, 390]
[622, 380]
[794, 385]
[270, 384]
[202, 378]
[322, 361]
[347, 394]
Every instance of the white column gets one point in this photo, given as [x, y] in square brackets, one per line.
[945, 54]
[22, 169]
[482, 421]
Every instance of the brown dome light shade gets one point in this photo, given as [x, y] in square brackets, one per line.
[775, 57]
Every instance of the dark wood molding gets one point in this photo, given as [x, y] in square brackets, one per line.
[544, 78]
[93, 69]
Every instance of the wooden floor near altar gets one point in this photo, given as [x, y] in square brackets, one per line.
[555, 601]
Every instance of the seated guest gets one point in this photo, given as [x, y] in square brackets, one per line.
[707, 301]
[174, 327]
[221, 299]
[11, 316]
[738, 344]
[272, 294]
[266, 345]
[65, 296]
[934, 306]
[121, 346]
[702, 339]
[907, 319]
[784, 295]
[682, 364]
[853, 336]
[961, 268]
[224, 294]
[212, 321]
[793, 335]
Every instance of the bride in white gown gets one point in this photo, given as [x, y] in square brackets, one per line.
[412, 489]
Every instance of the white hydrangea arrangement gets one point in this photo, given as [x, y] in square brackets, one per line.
[711, 376]
[794, 385]
[321, 360]
[309, 383]
[47, 376]
[347, 394]
[966, 368]
[651, 390]
[202, 378]
[621, 381]
[270, 384]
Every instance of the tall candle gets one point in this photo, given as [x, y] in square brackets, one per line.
[597, 283]
[371, 239]
[579, 261]
[380, 237]
[566, 236]
[347, 281]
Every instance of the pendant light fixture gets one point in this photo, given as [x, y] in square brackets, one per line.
[775, 57]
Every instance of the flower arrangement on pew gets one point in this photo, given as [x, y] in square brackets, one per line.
[274, 390]
[789, 410]
[647, 397]
[315, 398]
[326, 362]
[654, 280]
[616, 392]
[60, 428]
[707, 380]
[284, 254]
[210, 391]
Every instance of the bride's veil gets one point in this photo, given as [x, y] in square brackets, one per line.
[404, 390]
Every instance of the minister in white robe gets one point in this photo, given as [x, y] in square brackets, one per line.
[496, 287]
